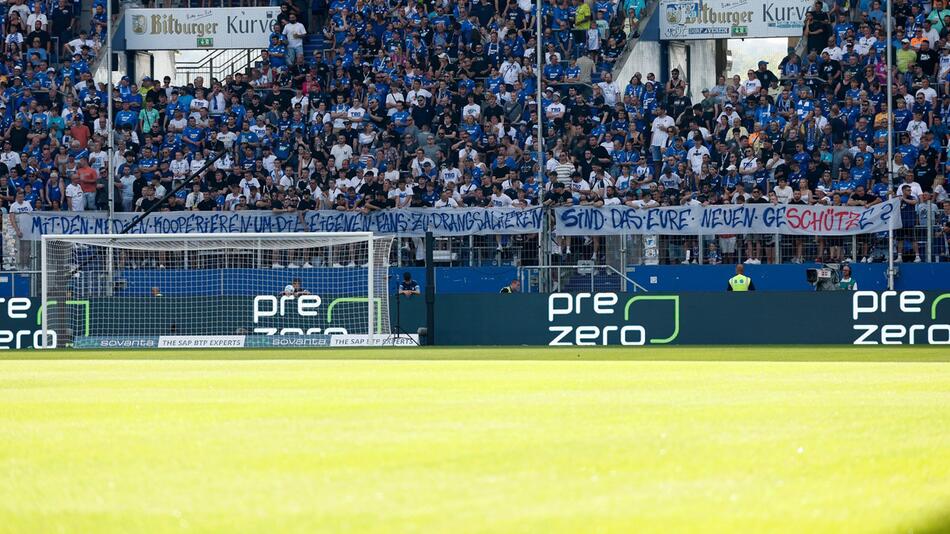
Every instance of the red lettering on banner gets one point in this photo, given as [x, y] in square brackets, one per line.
[853, 220]
[793, 218]
[822, 220]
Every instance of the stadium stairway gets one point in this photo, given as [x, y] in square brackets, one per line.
[315, 41]
[642, 53]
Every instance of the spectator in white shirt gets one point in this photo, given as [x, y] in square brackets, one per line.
[661, 133]
[20, 205]
[247, 183]
[783, 191]
[697, 154]
[609, 89]
[916, 128]
[194, 197]
[450, 174]
[929, 94]
[865, 42]
[418, 164]
[471, 109]
[36, 17]
[751, 86]
[908, 181]
[499, 199]
[8, 157]
[355, 114]
[179, 166]
[76, 197]
[510, 70]
[341, 152]
[555, 110]
[295, 33]
[446, 201]
[402, 195]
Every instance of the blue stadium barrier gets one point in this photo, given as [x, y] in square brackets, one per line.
[472, 280]
[14, 285]
[873, 276]
[209, 282]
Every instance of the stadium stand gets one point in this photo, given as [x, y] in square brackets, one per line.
[390, 104]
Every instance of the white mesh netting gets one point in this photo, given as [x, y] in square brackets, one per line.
[125, 290]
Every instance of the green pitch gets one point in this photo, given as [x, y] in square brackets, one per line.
[473, 440]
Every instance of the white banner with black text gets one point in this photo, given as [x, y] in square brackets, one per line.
[786, 219]
[411, 222]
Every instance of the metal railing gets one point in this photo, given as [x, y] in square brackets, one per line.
[585, 276]
[633, 36]
[216, 65]
[469, 251]
[928, 242]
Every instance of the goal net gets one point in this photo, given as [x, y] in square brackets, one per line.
[215, 290]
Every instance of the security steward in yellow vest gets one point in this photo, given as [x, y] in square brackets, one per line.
[740, 282]
[513, 287]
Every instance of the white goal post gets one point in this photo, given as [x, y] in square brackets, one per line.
[215, 290]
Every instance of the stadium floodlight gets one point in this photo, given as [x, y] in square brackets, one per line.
[215, 290]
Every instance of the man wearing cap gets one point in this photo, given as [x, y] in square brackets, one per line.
[750, 86]
[555, 111]
[765, 76]
[729, 113]
[905, 56]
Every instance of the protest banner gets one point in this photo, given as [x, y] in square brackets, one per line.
[412, 222]
[785, 219]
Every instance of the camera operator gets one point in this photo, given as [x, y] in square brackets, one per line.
[847, 283]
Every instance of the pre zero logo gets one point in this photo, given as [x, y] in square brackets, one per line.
[269, 311]
[17, 325]
[604, 309]
[900, 317]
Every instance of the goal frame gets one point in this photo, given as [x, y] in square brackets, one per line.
[106, 238]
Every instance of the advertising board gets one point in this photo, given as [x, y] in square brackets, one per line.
[731, 19]
[557, 319]
[651, 319]
[187, 29]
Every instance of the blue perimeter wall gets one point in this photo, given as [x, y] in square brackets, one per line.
[661, 278]
[869, 276]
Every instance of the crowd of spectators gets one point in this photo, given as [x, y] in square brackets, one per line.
[434, 104]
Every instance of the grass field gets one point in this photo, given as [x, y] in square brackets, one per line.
[470, 440]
